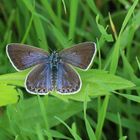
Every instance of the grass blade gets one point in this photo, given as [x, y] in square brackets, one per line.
[101, 117]
[75, 135]
[73, 17]
[89, 129]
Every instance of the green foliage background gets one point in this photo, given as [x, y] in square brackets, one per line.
[107, 107]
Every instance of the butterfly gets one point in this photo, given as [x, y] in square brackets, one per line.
[52, 71]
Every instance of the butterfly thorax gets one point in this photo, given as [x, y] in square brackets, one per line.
[54, 59]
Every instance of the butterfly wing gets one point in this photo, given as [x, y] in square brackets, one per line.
[80, 55]
[24, 56]
[39, 80]
[68, 81]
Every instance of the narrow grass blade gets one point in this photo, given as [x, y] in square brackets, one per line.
[129, 14]
[94, 8]
[28, 30]
[113, 26]
[50, 11]
[115, 54]
[138, 62]
[101, 117]
[89, 129]
[128, 67]
[123, 138]
[131, 124]
[73, 18]
[130, 97]
[39, 132]
[41, 37]
[57, 134]
[42, 108]
[120, 126]
[64, 5]
[75, 135]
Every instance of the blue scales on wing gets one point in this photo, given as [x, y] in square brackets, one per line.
[39, 80]
[67, 81]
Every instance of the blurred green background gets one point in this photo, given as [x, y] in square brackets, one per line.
[107, 107]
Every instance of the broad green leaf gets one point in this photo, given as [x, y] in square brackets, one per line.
[100, 83]
[16, 78]
[8, 95]
[108, 81]
[31, 108]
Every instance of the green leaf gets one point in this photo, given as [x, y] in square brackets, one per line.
[31, 107]
[8, 95]
[108, 81]
[108, 37]
[16, 78]
[100, 83]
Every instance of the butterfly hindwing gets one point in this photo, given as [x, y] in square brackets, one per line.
[80, 55]
[24, 56]
[39, 80]
[68, 81]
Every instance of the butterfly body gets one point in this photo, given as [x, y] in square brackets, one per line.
[54, 60]
[52, 72]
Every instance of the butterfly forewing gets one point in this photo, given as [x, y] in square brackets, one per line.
[24, 56]
[68, 81]
[39, 80]
[80, 55]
